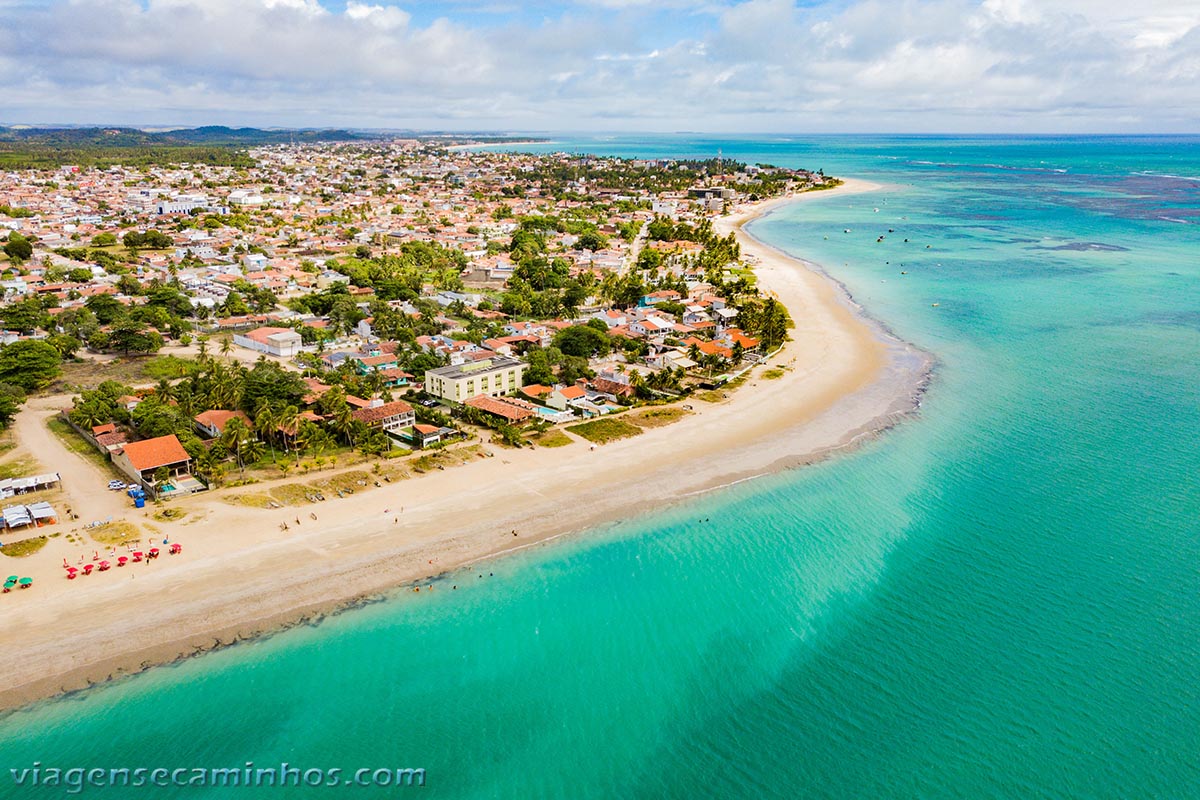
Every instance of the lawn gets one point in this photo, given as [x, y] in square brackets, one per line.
[25, 547]
[773, 374]
[446, 457]
[605, 430]
[253, 500]
[551, 438]
[168, 366]
[657, 416]
[88, 373]
[18, 468]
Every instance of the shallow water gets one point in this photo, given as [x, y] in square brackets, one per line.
[998, 599]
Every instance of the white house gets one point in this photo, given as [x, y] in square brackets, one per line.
[282, 342]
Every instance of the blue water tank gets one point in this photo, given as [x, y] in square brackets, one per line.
[139, 501]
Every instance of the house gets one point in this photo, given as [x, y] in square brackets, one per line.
[511, 409]
[561, 397]
[426, 435]
[211, 424]
[282, 342]
[490, 376]
[111, 442]
[141, 460]
[386, 416]
[617, 384]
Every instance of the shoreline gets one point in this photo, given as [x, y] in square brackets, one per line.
[478, 145]
[848, 380]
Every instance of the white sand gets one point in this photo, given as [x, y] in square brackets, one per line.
[241, 574]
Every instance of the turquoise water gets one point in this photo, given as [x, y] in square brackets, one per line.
[1000, 599]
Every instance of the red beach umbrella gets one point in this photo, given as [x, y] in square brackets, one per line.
[121, 560]
[104, 565]
[87, 569]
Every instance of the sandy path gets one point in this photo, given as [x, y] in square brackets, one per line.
[240, 573]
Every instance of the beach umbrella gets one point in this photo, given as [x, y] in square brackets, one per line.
[121, 561]
[11, 579]
[153, 551]
[26, 582]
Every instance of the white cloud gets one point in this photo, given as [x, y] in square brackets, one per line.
[765, 64]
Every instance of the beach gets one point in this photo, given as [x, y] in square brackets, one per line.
[844, 378]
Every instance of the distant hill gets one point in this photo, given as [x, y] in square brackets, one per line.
[46, 148]
[133, 137]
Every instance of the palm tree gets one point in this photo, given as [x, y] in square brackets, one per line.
[266, 422]
[202, 347]
[90, 413]
[250, 452]
[233, 437]
[343, 422]
[287, 424]
[226, 346]
[163, 389]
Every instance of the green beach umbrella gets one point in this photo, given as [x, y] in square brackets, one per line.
[11, 579]
[26, 581]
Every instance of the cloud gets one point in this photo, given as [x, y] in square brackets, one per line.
[760, 64]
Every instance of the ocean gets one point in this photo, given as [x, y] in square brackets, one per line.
[997, 599]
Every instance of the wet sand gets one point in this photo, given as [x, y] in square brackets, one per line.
[845, 379]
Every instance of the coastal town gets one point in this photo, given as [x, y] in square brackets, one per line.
[389, 305]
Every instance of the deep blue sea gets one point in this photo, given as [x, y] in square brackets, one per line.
[998, 599]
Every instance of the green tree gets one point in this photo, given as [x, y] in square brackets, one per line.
[18, 248]
[29, 364]
[584, 341]
[592, 240]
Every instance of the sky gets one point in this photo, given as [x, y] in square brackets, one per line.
[723, 66]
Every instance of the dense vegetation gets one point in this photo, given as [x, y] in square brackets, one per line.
[49, 148]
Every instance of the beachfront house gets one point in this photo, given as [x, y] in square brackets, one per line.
[388, 417]
[490, 376]
[141, 461]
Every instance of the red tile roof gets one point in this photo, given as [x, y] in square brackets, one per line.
[219, 418]
[380, 413]
[153, 453]
[510, 408]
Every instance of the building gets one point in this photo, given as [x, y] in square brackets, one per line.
[212, 423]
[141, 460]
[282, 342]
[490, 376]
[388, 417]
[510, 409]
[563, 396]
